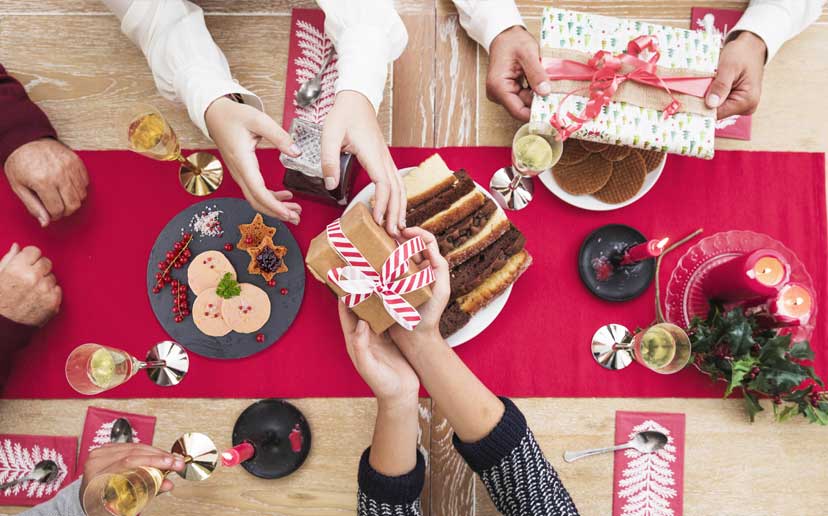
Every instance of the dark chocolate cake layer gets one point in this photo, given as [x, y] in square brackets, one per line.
[416, 215]
[458, 234]
[453, 319]
[470, 274]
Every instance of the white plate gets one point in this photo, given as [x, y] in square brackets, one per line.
[588, 202]
[479, 321]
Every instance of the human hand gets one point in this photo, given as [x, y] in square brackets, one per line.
[428, 330]
[378, 361]
[29, 293]
[513, 56]
[117, 458]
[48, 177]
[237, 129]
[738, 83]
[351, 126]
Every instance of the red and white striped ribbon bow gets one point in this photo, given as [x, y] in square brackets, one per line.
[360, 281]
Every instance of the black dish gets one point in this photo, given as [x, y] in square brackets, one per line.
[626, 282]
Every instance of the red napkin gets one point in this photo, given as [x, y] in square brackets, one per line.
[98, 426]
[18, 456]
[309, 46]
[649, 484]
[722, 20]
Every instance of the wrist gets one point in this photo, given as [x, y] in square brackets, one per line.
[399, 405]
[752, 41]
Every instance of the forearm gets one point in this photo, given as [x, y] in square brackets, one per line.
[470, 407]
[22, 121]
[776, 21]
[394, 446]
[65, 503]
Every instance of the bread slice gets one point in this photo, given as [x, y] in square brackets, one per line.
[458, 234]
[430, 178]
[470, 274]
[463, 184]
[495, 284]
[460, 209]
[497, 225]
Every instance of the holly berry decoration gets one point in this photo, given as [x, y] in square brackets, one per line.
[181, 307]
[175, 258]
[271, 283]
[284, 291]
[228, 247]
[260, 337]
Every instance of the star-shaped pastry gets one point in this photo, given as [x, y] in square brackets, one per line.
[252, 234]
[267, 259]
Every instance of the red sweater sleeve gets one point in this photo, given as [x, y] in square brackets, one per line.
[21, 121]
[13, 337]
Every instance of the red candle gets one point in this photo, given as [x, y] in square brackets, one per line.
[237, 454]
[644, 251]
[755, 275]
[792, 305]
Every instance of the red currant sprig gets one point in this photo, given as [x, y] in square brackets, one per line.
[180, 308]
[175, 259]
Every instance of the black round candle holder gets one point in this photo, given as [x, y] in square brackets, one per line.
[280, 435]
[602, 251]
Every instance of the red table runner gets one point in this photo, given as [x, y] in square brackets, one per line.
[538, 346]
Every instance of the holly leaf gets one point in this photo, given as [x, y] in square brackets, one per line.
[816, 415]
[739, 369]
[786, 413]
[228, 287]
[802, 351]
[781, 376]
[752, 405]
[739, 335]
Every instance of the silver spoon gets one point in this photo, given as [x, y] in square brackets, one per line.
[121, 431]
[643, 442]
[310, 90]
[43, 472]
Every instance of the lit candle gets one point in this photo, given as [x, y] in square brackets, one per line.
[237, 454]
[644, 251]
[755, 275]
[792, 305]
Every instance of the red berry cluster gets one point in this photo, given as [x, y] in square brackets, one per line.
[180, 307]
[754, 372]
[814, 397]
[175, 259]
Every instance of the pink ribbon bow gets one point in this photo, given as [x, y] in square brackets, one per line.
[360, 281]
[606, 72]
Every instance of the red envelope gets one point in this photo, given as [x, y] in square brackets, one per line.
[309, 46]
[649, 484]
[98, 426]
[18, 456]
[736, 126]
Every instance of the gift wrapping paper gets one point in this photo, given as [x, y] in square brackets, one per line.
[622, 123]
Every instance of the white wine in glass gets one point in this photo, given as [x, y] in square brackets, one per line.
[122, 494]
[663, 348]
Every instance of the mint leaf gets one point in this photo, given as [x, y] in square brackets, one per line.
[228, 287]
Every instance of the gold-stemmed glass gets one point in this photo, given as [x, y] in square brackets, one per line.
[93, 368]
[533, 152]
[128, 493]
[662, 347]
[148, 133]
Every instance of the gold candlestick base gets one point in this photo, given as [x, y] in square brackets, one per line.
[201, 454]
[201, 173]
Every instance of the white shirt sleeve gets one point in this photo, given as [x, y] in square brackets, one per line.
[777, 21]
[485, 19]
[186, 63]
[367, 35]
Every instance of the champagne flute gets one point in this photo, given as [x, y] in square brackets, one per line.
[663, 347]
[128, 493]
[93, 368]
[149, 134]
[533, 152]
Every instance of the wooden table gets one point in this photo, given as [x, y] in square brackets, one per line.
[75, 63]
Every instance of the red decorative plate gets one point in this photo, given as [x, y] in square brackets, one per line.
[685, 298]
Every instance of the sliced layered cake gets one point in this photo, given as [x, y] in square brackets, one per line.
[484, 250]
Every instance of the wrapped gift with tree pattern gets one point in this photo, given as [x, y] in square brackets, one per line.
[646, 116]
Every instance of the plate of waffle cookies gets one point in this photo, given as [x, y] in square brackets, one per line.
[485, 251]
[601, 177]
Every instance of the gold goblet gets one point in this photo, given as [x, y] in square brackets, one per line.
[127, 493]
[149, 134]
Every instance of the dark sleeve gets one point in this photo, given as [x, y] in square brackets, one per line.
[13, 336]
[380, 495]
[514, 470]
[21, 121]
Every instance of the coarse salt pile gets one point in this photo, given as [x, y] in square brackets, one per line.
[206, 223]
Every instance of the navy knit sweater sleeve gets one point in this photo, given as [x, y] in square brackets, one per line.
[519, 479]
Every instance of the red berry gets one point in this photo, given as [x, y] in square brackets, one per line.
[186, 236]
[271, 283]
[159, 275]
[175, 309]
[284, 291]
[248, 240]
[183, 296]
[228, 247]
[170, 255]
[260, 337]
[161, 265]
[156, 290]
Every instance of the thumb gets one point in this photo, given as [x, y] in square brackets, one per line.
[268, 129]
[530, 61]
[34, 205]
[720, 87]
[332, 136]
[9, 256]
